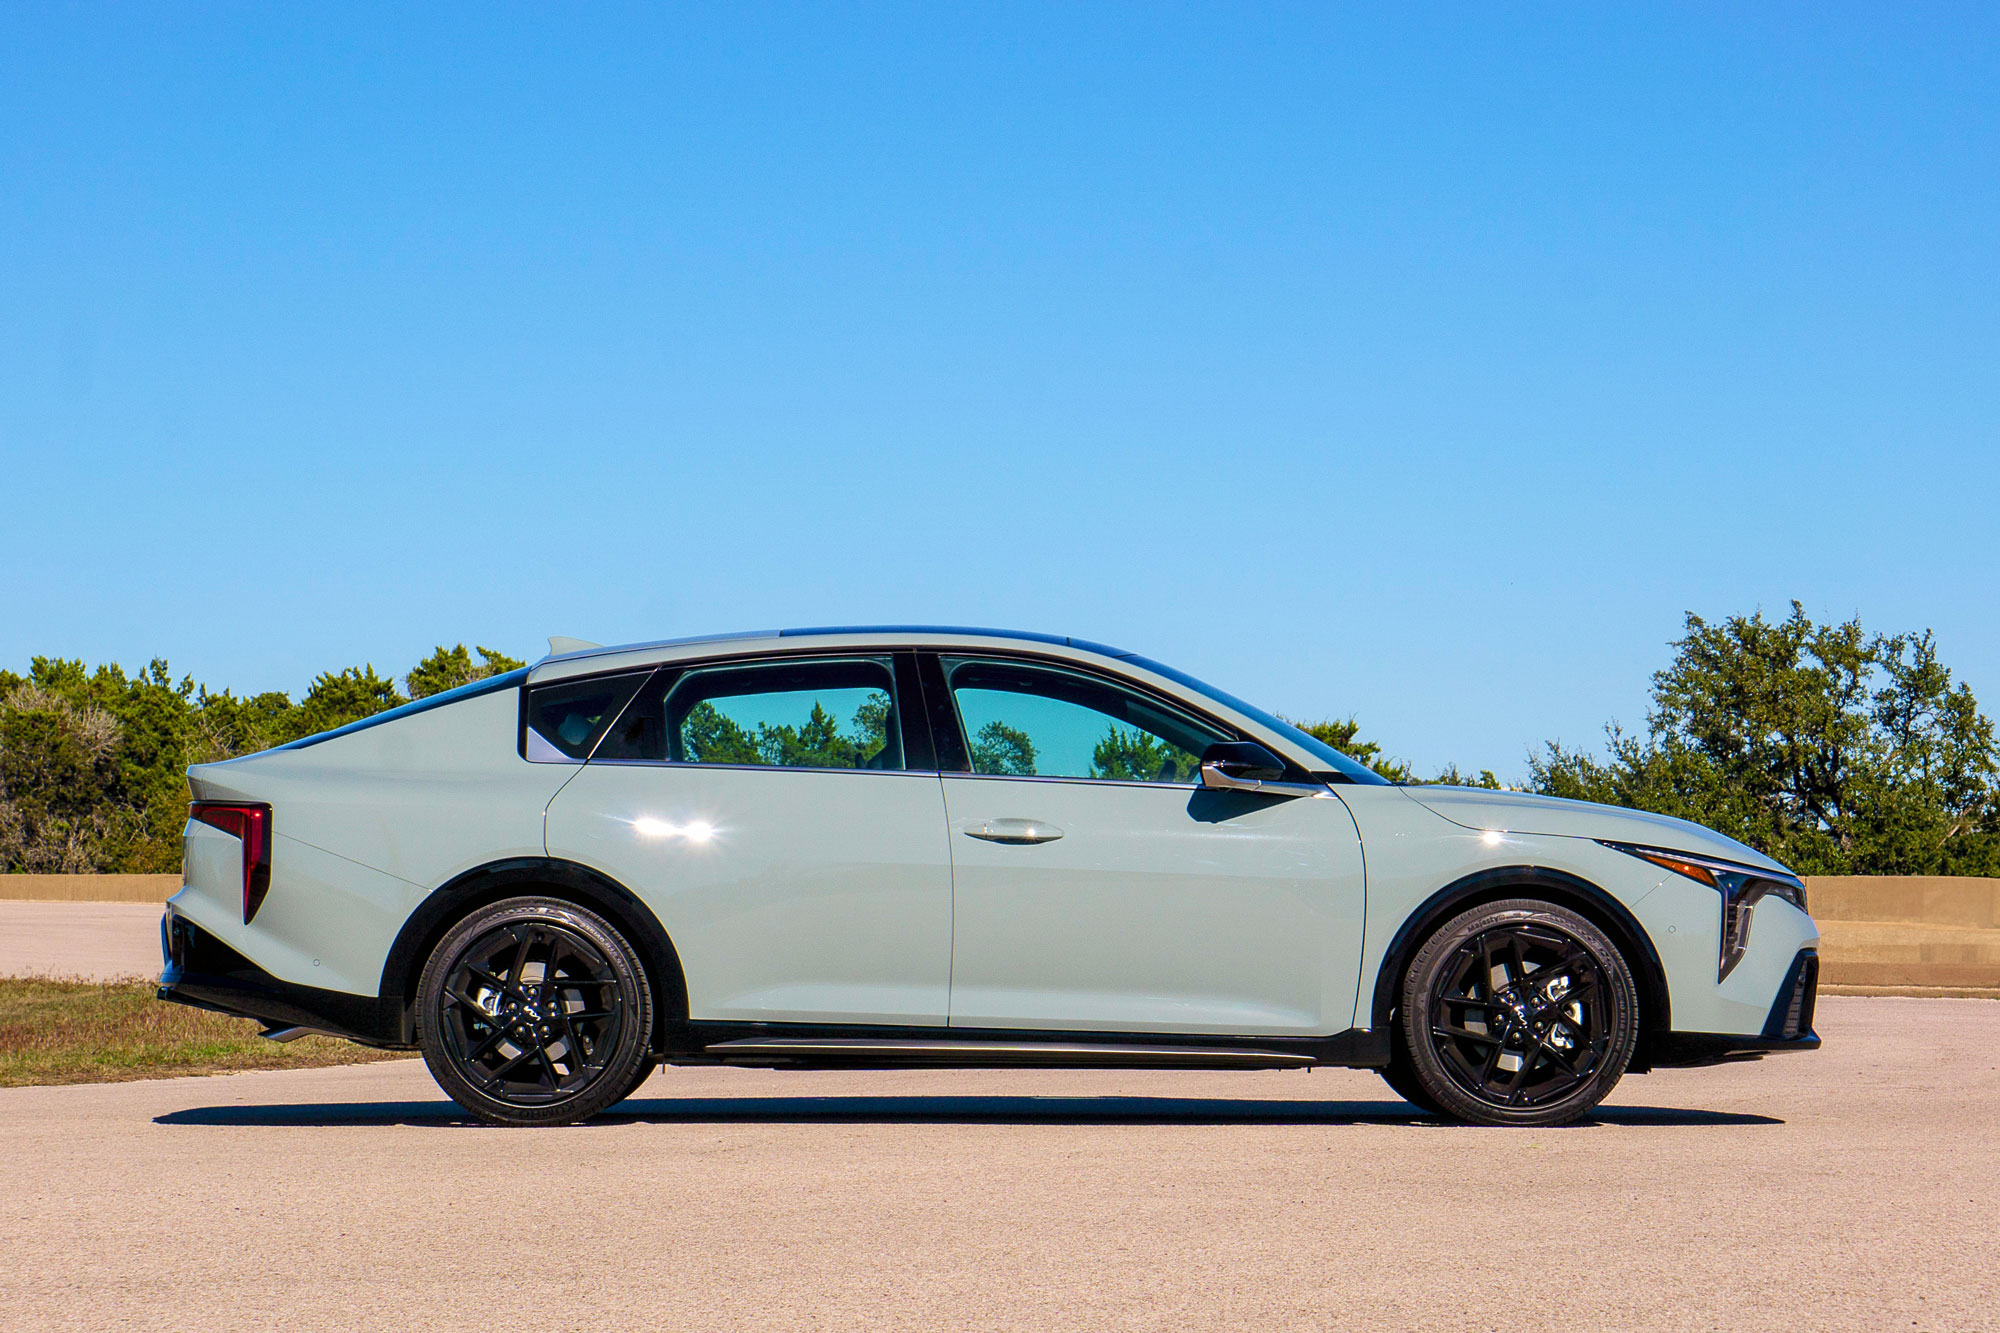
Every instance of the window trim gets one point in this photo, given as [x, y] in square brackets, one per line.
[903, 675]
[528, 689]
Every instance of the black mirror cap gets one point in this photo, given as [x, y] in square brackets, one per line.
[1246, 760]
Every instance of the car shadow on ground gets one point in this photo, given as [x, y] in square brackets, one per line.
[931, 1110]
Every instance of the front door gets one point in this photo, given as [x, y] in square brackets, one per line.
[1099, 887]
[772, 817]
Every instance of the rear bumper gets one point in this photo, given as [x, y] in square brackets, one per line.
[204, 972]
[1788, 1028]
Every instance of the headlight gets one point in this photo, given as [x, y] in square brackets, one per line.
[1740, 886]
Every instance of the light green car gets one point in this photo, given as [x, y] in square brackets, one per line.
[904, 846]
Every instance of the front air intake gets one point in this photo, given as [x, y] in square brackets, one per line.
[1792, 1016]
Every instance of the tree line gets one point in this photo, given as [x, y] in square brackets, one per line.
[93, 762]
[1835, 750]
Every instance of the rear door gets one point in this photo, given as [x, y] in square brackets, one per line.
[790, 841]
[1100, 887]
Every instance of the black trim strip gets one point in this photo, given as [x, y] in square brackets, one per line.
[1686, 1050]
[1791, 1013]
[694, 1043]
[205, 973]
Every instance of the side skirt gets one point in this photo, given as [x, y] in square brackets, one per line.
[813, 1046]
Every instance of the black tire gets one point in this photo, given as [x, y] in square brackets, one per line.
[1518, 1013]
[534, 1011]
[646, 1069]
[1401, 1076]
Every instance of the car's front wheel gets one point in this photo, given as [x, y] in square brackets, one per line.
[1518, 1013]
[534, 1011]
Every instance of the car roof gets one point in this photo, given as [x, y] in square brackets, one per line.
[609, 657]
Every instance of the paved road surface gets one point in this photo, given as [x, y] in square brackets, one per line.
[98, 941]
[1855, 1189]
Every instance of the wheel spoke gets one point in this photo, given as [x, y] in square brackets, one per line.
[501, 1073]
[1464, 1034]
[548, 1065]
[524, 939]
[1520, 1079]
[461, 998]
[1555, 1056]
[1468, 1000]
[494, 979]
[486, 1047]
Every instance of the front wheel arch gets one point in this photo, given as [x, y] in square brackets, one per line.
[1555, 886]
[546, 877]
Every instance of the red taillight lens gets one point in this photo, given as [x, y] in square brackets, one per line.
[251, 825]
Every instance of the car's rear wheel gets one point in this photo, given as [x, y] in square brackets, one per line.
[1518, 1013]
[534, 1011]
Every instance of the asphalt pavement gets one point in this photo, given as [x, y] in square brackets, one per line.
[1856, 1188]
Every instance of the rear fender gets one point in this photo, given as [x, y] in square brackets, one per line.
[548, 877]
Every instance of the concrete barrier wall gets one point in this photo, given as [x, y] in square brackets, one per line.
[1928, 933]
[1923, 933]
[88, 888]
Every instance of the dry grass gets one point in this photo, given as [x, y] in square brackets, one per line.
[60, 1031]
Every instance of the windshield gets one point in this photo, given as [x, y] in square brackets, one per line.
[1333, 759]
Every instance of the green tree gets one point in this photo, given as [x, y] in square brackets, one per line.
[1133, 755]
[60, 806]
[336, 700]
[93, 763]
[710, 737]
[1831, 749]
[1003, 751]
[1343, 734]
[449, 668]
[814, 743]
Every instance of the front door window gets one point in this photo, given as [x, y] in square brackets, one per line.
[1022, 720]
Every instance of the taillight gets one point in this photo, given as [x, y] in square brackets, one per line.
[251, 825]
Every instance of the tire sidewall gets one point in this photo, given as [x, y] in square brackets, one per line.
[1414, 1017]
[620, 1072]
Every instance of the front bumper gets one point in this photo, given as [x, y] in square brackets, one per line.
[205, 973]
[1788, 1028]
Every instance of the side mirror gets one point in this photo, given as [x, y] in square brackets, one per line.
[1246, 766]
[1242, 761]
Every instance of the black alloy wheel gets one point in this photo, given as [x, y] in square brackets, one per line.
[535, 1011]
[1518, 1013]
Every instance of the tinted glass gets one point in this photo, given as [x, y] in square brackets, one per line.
[826, 714]
[1030, 721]
[570, 713]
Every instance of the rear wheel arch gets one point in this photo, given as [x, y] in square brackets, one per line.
[543, 877]
[1555, 886]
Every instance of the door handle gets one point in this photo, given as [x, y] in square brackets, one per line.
[1015, 831]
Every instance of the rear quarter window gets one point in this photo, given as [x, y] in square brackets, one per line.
[563, 720]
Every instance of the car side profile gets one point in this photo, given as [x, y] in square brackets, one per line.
[921, 846]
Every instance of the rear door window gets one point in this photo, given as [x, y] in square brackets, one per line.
[837, 713]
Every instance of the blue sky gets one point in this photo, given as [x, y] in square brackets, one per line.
[1423, 364]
